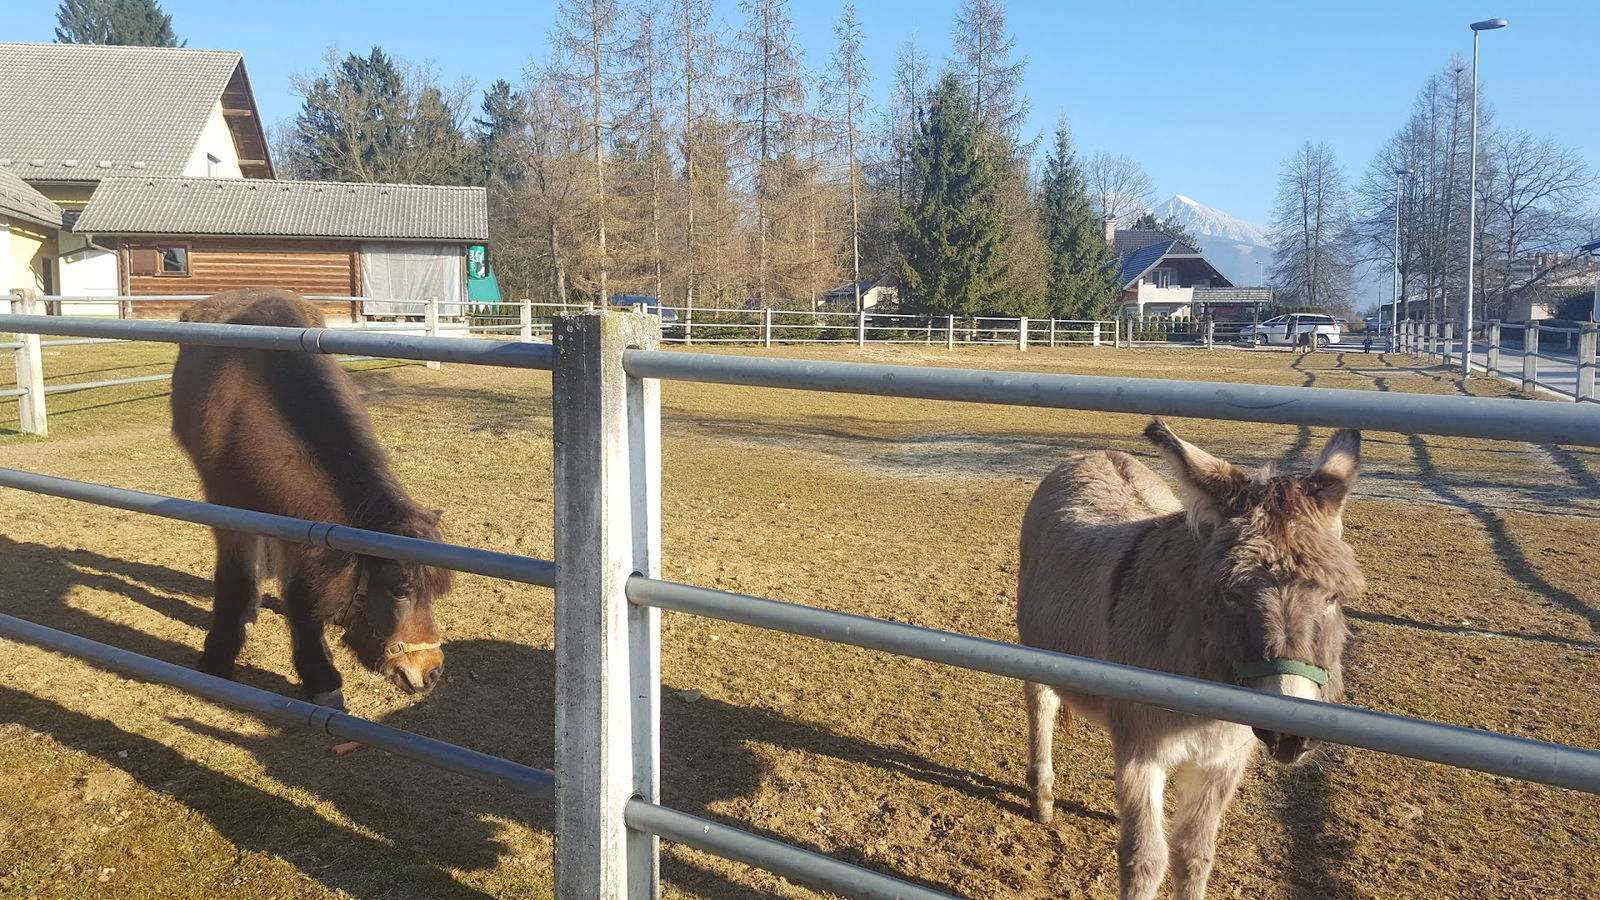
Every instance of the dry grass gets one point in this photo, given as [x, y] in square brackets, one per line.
[1481, 612]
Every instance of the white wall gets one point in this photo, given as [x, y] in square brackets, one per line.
[90, 272]
[6, 281]
[216, 140]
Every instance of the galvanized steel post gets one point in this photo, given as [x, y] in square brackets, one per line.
[30, 369]
[1530, 357]
[608, 501]
[1586, 354]
[1492, 362]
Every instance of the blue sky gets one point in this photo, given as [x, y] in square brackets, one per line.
[1210, 96]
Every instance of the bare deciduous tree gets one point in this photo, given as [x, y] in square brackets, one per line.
[1315, 251]
[1119, 186]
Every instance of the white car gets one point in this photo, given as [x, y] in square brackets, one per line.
[1285, 331]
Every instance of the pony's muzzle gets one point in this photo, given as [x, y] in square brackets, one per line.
[416, 672]
[1285, 748]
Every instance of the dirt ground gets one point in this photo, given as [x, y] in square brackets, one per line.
[1482, 611]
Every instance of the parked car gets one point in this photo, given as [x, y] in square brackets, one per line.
[1285, 331]
[669, 316]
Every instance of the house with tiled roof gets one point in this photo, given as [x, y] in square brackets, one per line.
[29, 224]
[157, 159]
[1161, 275]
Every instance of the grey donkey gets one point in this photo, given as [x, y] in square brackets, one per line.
[1242, 582]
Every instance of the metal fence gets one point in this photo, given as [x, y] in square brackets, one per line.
[606, 372]
[1569, 371]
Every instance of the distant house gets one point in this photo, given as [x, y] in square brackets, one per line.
[30, 226]
[74, 114]
[1160, 275]
[202, 235]
[158, 161]
[873, 294]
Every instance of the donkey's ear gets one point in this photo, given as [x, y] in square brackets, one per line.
[1336, 469]
[1214, 489]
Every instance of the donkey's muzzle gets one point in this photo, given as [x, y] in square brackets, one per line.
[1285, 748]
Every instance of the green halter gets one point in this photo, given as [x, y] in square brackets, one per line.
[1283, 666]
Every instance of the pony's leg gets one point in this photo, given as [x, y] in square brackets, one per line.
[238, 597]
[1204, 792]
[1142, 845]
[1044, 704]
[312, 658]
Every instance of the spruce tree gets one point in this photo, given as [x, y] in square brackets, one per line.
[1081, 284]
[501, 133]
[132, 23]
[950, 235]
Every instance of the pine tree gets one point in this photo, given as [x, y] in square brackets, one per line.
[1170, 226]
[1080, 283]
[132, 23]
[501, 134]
[950, 237]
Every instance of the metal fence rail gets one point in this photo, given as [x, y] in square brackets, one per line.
[1497, 419]
[1484, 751]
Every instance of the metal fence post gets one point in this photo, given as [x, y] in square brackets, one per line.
[30, 369]
[525, 312]
[607, 430]
[766, 326]
[1530, 357]
[950, 333]
[430, 319]
[1492, 362]
[861, 328]
[1586, 353]
[1022, 333]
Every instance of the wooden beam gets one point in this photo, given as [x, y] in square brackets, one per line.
[241, 113]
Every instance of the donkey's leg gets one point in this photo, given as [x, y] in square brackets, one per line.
[1044, 704]
[312, 658]
[1204, 792]
[238, 589]
[1142, 845]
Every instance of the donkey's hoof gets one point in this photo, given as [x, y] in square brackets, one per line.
[333, 699]
[219, 668]
[1044, 812]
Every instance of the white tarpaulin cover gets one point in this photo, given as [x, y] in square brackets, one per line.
[396, 271]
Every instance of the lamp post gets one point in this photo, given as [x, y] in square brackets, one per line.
[1472, 200]
[1394, 311]
[1261, 280]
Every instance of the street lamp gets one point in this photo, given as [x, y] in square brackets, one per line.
[1394, 311]
[1472, 199]
[1261, 280]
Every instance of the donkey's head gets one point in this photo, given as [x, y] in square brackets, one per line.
[390, 622]
[1275, 570]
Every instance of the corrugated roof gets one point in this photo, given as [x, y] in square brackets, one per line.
[19, 200]
[81, 112]
[1128, 240]
[326, 209]
[1143, 260]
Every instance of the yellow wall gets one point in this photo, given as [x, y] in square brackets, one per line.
[27, 252]
[68, 196]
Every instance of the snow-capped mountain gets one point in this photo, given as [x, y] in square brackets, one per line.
[1231, 244]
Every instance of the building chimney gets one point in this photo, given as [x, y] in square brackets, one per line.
[1111, 232]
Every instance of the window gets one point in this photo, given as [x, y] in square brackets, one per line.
[1161, 278]
[212, 163]
[174, 261]
[166, 260]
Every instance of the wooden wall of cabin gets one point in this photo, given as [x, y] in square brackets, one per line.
[221, 264]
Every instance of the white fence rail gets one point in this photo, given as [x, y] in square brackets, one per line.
[608, 588]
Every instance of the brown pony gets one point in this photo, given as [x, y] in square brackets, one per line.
[1243, 582]
[284, 432]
